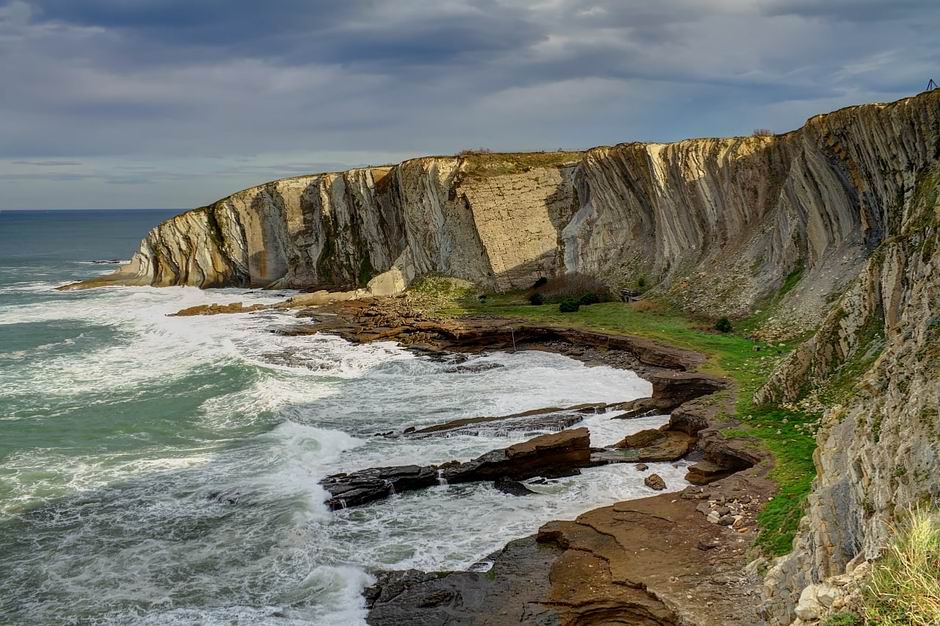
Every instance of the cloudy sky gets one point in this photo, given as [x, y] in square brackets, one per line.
[174, 103]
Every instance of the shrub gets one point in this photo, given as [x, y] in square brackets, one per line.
[723, 325]
[541, 280]
[641, 284]
[536, 299]
[569, 305]
[646, 305]
[762, 132]
[470, 151]
[589, 298]
[574, 286]
[905, 584]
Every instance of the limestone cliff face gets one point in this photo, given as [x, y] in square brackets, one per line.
[879, 448]
[492, 219]
[717, 225]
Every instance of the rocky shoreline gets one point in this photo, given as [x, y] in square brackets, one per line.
[669, 559]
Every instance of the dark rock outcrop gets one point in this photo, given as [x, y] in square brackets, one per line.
[544, 455]
[512, 487]
[547, 419]
[375, 483]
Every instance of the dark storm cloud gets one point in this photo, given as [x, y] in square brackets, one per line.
[208, 96]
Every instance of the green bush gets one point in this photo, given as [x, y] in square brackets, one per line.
[723, 325]
[574, 286]
[589, 298]
[569, 305]
[541, 280]
[536, 299]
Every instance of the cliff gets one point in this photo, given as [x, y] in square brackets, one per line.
[875, 364]
[833, 227]
[495, 219]
[717, 225]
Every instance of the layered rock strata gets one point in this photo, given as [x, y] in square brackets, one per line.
[715, 224]
[549, 454]
[875, 361]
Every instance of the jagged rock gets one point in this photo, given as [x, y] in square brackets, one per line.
[655, 481]
[357, 488]
[877, 451]
[547, 454]
[670, 390]
[599, 568]
[814, 600]
[512, 487]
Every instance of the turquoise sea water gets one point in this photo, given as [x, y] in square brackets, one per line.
[163, 470]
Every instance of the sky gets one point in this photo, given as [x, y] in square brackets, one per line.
[176, 103]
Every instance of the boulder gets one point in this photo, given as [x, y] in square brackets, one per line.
[512, 487]
[652, 446]
[655, 481]
[705, 472]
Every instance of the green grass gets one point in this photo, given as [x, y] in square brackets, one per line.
[483, 164]
[905, 585]
[842, 618]
[788, 435]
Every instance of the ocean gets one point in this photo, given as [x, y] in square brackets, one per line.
[164, 470]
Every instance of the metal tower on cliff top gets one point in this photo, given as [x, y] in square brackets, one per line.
[931, 85]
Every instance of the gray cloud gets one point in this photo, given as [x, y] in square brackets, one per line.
[203, 98]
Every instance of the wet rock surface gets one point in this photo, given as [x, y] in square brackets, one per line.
[547, 419]
[655, 562]
[512, 487]
[357, 488]
[544, 455]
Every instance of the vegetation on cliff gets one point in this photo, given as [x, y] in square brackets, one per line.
[787, 433]
[905, 585]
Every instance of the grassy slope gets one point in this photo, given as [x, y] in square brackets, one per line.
[786, 433]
